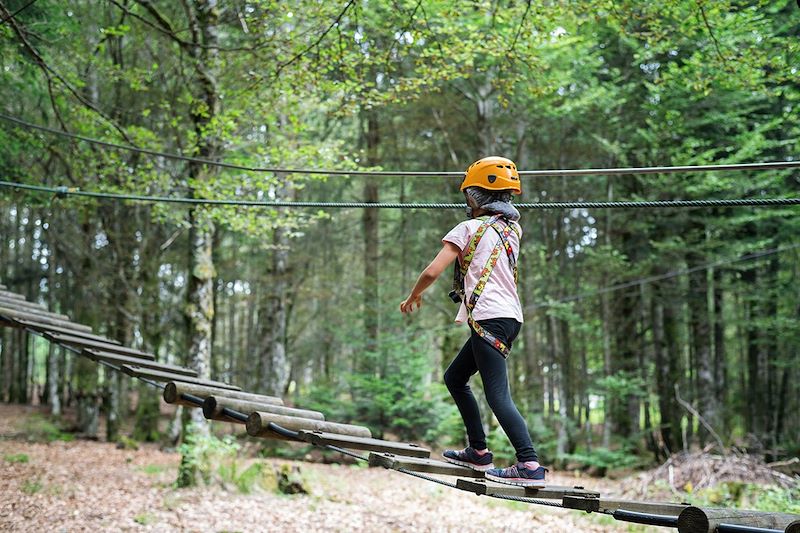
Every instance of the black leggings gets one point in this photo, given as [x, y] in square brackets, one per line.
[477, 355]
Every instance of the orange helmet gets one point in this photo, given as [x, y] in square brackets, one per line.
[493, 173]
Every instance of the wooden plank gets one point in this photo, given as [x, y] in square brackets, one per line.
[259, 421]
[548, 492]
[607, 505]
[213, 409]
[173, 393]
[42, 328]
[12, 295]
[23, 304]
[16, 313]
[29, 307]
[696, 520]
[157, 375]
[320, 438]
[117, 359]
[418, 464]
[72, 340]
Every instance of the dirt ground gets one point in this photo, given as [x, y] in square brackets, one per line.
[93, 486]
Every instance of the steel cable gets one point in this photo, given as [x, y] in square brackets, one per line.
[645, 204]
[775, 165]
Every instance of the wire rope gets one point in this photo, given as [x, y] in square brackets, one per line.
[773, 165]
[643, 204]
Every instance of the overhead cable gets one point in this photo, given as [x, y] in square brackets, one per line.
[652, 204]
[775, 165]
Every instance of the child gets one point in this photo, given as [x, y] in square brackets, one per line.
[487, 246]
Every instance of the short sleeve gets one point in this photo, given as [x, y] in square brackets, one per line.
[459, 235]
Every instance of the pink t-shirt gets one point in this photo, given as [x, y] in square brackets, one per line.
[499, 298]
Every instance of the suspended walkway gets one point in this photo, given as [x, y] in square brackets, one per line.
[267, 417]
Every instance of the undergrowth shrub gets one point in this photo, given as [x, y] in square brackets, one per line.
[216, 461]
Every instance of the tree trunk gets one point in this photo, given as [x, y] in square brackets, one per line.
[200, 294]
[371, 251]
[275, 365]
[701, 345]
[203, 19]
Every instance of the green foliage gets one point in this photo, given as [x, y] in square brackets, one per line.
[127, 443]
[748, 496]
[38, 428]
[154, 470]
[216, 461]
[32, 486]
[206, 458]
[16, 458]
[604, 459]
[144, 519]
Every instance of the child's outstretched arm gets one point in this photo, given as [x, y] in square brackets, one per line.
[443, 259]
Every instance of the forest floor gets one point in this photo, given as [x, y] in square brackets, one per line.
[50, 481]
[84, 485]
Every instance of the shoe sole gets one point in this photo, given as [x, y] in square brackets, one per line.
[473, 466]
[518, 481]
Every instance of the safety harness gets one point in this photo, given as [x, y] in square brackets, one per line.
[458, 294]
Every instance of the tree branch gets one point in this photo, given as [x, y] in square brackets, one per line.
[48, 71]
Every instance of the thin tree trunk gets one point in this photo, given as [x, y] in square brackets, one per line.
[371, 251]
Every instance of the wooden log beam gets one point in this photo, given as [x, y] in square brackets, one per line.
[213, 407]
[608, 506]
[9, 294]
[416, 464]
[319, 438]
[174, 391]
[23, 305]
[119, 360]
[16, 313]
[157, 375]
[79, 342]
[697, 520]
[42, 328]
[259, 421]
[34, 309]
[549, 492]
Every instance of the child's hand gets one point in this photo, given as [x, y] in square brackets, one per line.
[407, 305]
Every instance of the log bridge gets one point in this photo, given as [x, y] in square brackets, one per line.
[267, 417]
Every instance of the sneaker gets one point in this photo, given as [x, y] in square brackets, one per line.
[518, 475]
[470, 458]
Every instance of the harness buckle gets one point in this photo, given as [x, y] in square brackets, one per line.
[455, 296]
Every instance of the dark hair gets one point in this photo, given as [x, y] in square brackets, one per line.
[485, 196]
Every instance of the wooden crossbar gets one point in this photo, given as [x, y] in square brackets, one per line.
[9, 294]
[157, 375]
[118, 359]
[15, 303]
[549, 492]
[697, 520]
[44, 319]
[320, 438]
[417, 464]
[259, 421]
[174, 391]
[103, 346]
[34, 309]
[42, 328]
[214, 406]
[609, 505]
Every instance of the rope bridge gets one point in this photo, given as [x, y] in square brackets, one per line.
[267, 417]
